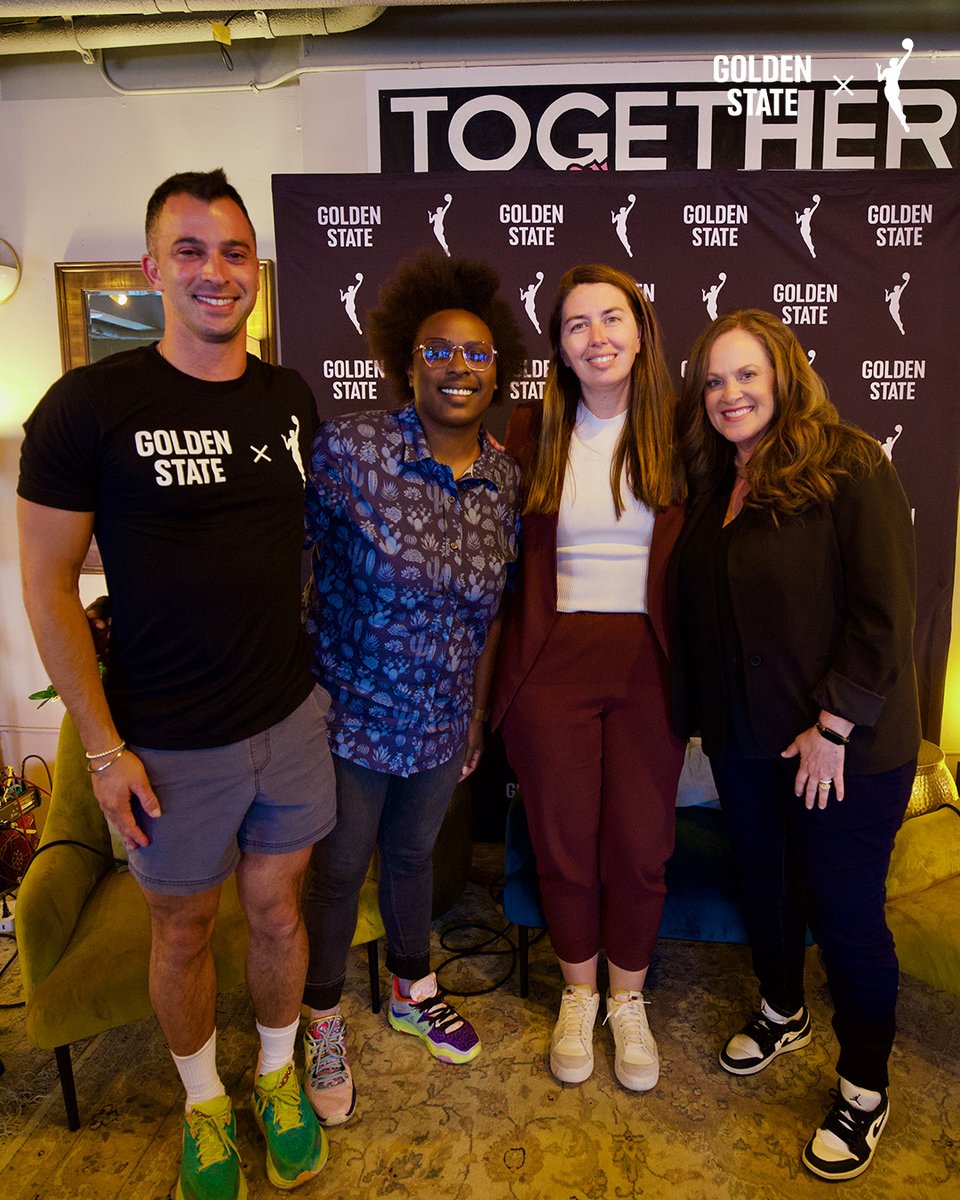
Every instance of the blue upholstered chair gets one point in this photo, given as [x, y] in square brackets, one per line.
[521, 886]
[701, 905]
[702, 901]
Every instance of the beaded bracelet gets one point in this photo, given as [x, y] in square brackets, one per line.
[104, 753]
[121, 751]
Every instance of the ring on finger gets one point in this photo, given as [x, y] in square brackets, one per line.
[824, 785]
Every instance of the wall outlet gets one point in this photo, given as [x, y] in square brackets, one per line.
[6, 924]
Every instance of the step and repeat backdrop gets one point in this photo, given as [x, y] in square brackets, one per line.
[863, 265]
[825, 190]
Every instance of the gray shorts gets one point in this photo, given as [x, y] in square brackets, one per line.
[268, 794]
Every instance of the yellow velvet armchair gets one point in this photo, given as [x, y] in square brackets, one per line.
[83, 930]
[923, 897]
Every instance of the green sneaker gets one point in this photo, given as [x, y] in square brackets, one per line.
[210, 1166]
[296, 1145]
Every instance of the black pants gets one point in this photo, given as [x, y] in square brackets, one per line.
[826, 867]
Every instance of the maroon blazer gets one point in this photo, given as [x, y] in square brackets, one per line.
[531, 608]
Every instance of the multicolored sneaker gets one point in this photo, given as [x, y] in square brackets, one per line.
[296, 1145]
[210, 1166]
[426, 1015]
[327, 1079]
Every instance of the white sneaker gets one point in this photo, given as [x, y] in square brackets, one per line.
[636, 1062]
[571, 1047]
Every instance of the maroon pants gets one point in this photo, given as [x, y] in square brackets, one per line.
[588, 737]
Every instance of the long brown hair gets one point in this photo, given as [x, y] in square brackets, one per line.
[806, 447]
[647, 444]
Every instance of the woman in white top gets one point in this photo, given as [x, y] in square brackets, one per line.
[581, 688]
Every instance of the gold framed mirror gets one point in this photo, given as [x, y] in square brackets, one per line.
[105, 307]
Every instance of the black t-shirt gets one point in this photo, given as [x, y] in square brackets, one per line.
[197, 490]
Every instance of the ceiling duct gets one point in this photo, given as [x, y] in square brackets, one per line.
[162, 25]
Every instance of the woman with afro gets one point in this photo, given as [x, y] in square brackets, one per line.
[414, 514]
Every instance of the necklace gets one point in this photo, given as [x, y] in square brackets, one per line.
[160, 351]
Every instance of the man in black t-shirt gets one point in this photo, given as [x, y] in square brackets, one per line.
[206, 742]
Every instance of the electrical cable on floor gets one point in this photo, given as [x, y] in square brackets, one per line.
[479, 949]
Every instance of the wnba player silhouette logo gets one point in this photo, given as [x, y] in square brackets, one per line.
[348, 298]
[528, 296]
[619, 221]
[889, 76]
[436, 219]
[803, 220]
[893, 300]
[710, 295]
[888, 443]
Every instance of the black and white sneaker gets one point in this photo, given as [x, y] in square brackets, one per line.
[843, 1146]
[762, 1039]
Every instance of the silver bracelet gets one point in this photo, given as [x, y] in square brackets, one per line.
[120, 752]
[104, 753]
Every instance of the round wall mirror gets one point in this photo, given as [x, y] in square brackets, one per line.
[10, 271]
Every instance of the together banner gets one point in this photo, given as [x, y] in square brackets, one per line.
[862, 265]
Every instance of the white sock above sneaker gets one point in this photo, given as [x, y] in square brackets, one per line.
[418, 989]
[861, 1098]
[777, 1018]
[827, 1145]
[276, 1046]
[198, 1073]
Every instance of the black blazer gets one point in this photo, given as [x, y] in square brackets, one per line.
[824, 610]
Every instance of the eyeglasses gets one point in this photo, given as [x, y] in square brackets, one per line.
[439, 352]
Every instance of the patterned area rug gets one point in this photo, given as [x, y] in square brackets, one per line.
[502, 1128]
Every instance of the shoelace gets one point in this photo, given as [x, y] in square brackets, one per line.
[764, 1032]
[214, 1144]
[576, 1017]
[632, 1021]
[848, 1122]
[284, 1099]
[440, 1014]
[327, 1054]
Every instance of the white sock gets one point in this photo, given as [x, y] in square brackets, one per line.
[276, 1046]
[861, 1098]
[198, 1072]
[777, 1018]
[826, 1144]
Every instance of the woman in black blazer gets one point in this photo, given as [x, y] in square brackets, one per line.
[793, 586]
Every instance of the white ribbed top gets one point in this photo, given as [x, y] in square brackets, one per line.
[601, 562]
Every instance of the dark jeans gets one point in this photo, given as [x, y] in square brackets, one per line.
[402, 817]
[827, 868]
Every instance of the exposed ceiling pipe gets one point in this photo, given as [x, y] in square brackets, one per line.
[32, 9]
[85, 35]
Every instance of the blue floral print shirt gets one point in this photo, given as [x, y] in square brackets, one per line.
[408, 572]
